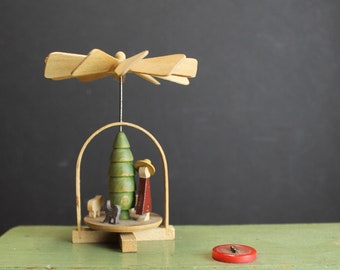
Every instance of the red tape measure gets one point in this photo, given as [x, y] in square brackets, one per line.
[234, 253]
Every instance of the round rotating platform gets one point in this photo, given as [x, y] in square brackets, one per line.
[124, 226]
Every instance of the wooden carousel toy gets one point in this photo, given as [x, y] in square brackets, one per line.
[120, 215]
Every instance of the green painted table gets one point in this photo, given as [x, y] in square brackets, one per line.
[289, 246]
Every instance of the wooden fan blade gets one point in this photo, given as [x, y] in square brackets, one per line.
[59, 65]
[175, 79]
[93, 77]
[126, 64]
[149, 78]
[96, 62]
[186, 68]
[160, 66]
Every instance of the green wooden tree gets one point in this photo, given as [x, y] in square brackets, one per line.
[121, 184]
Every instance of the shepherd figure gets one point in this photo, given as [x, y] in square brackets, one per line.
[144, 203]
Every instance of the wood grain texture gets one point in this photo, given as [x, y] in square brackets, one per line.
[98, 64]
[128, 242]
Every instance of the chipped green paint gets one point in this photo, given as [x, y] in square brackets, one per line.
[279, 246]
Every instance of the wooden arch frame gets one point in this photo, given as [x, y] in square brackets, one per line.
[165, 169]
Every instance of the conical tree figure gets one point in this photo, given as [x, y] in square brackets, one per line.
[121, 175]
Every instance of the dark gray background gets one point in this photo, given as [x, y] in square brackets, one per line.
[255, 138]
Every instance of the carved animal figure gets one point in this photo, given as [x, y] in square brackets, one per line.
[112, 213]
[94, 206]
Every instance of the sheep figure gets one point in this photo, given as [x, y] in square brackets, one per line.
[94, 206]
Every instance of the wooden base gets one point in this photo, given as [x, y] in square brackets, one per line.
[124, 226]
[128, 241]
[159, 233]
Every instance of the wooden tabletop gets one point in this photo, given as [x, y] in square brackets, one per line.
[283, 246]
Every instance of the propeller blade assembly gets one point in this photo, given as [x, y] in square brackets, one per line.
[98, 64]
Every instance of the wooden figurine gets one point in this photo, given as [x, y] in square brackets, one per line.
[112, 213]
[144, 202]
[95, 205]
[121, 175]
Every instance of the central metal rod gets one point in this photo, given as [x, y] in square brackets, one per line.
[121, 102]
